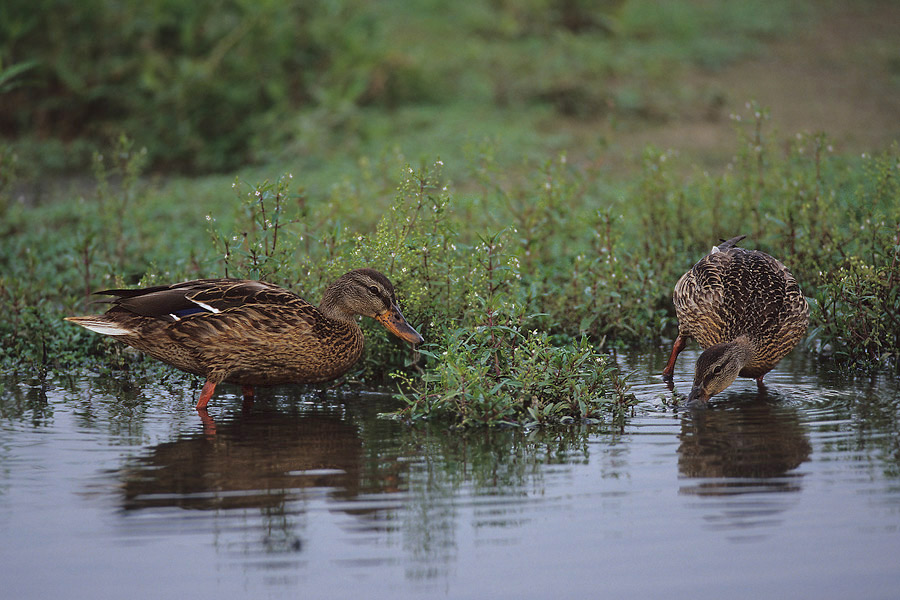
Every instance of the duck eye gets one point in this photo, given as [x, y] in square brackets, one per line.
[373, 289]
[717, 370]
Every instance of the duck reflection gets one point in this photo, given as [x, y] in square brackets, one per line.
[742, 453]
[748, 445]
[259, 459]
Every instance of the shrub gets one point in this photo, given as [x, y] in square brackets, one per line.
[202, 84]
[501, 373]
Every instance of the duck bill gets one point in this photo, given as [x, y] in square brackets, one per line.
[697, 396]
[393, 320]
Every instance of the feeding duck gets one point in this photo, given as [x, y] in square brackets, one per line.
[251, 333]
[746, 311]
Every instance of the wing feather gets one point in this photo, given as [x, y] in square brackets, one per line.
[201, 296]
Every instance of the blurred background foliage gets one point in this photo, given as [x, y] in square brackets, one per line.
[214, 84]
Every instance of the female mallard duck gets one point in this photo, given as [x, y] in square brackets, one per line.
[745, 310]
[250, 332]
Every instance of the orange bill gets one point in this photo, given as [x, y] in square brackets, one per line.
[396, 324]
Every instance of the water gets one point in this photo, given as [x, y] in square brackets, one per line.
[111, 489]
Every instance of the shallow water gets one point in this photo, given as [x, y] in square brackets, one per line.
[111, 489]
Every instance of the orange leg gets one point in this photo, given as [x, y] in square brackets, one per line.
[205, 394]
[677, 347]
[248, 396]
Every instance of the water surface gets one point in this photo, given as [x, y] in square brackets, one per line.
[112, 488]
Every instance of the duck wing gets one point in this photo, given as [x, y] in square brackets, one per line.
[201, 296]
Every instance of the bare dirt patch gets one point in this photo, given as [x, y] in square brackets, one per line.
[838, 74]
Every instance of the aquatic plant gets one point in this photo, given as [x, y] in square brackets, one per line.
[859, 307]
[500, 374]
[495, 367]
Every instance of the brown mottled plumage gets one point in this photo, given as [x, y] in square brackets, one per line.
[744, 308]
[251, 332]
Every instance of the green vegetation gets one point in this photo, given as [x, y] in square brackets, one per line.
[519, 262]
[210, 86]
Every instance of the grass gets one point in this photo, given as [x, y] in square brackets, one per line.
[207, 88]
[522, 248]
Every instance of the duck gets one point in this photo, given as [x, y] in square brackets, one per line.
[251, 333]
[744, 308]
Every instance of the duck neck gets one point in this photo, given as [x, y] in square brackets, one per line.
[742, 348]
[332, 307]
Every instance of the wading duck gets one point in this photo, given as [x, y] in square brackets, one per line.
[249, 332]
[745, 310]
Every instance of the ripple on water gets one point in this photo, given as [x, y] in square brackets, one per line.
[301, 493]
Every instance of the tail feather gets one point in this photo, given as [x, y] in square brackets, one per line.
[726, 244]
[100, 325]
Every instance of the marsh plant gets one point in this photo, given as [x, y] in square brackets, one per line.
[496, 367]
[519, 284]
[499, 373]
[252, 250]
